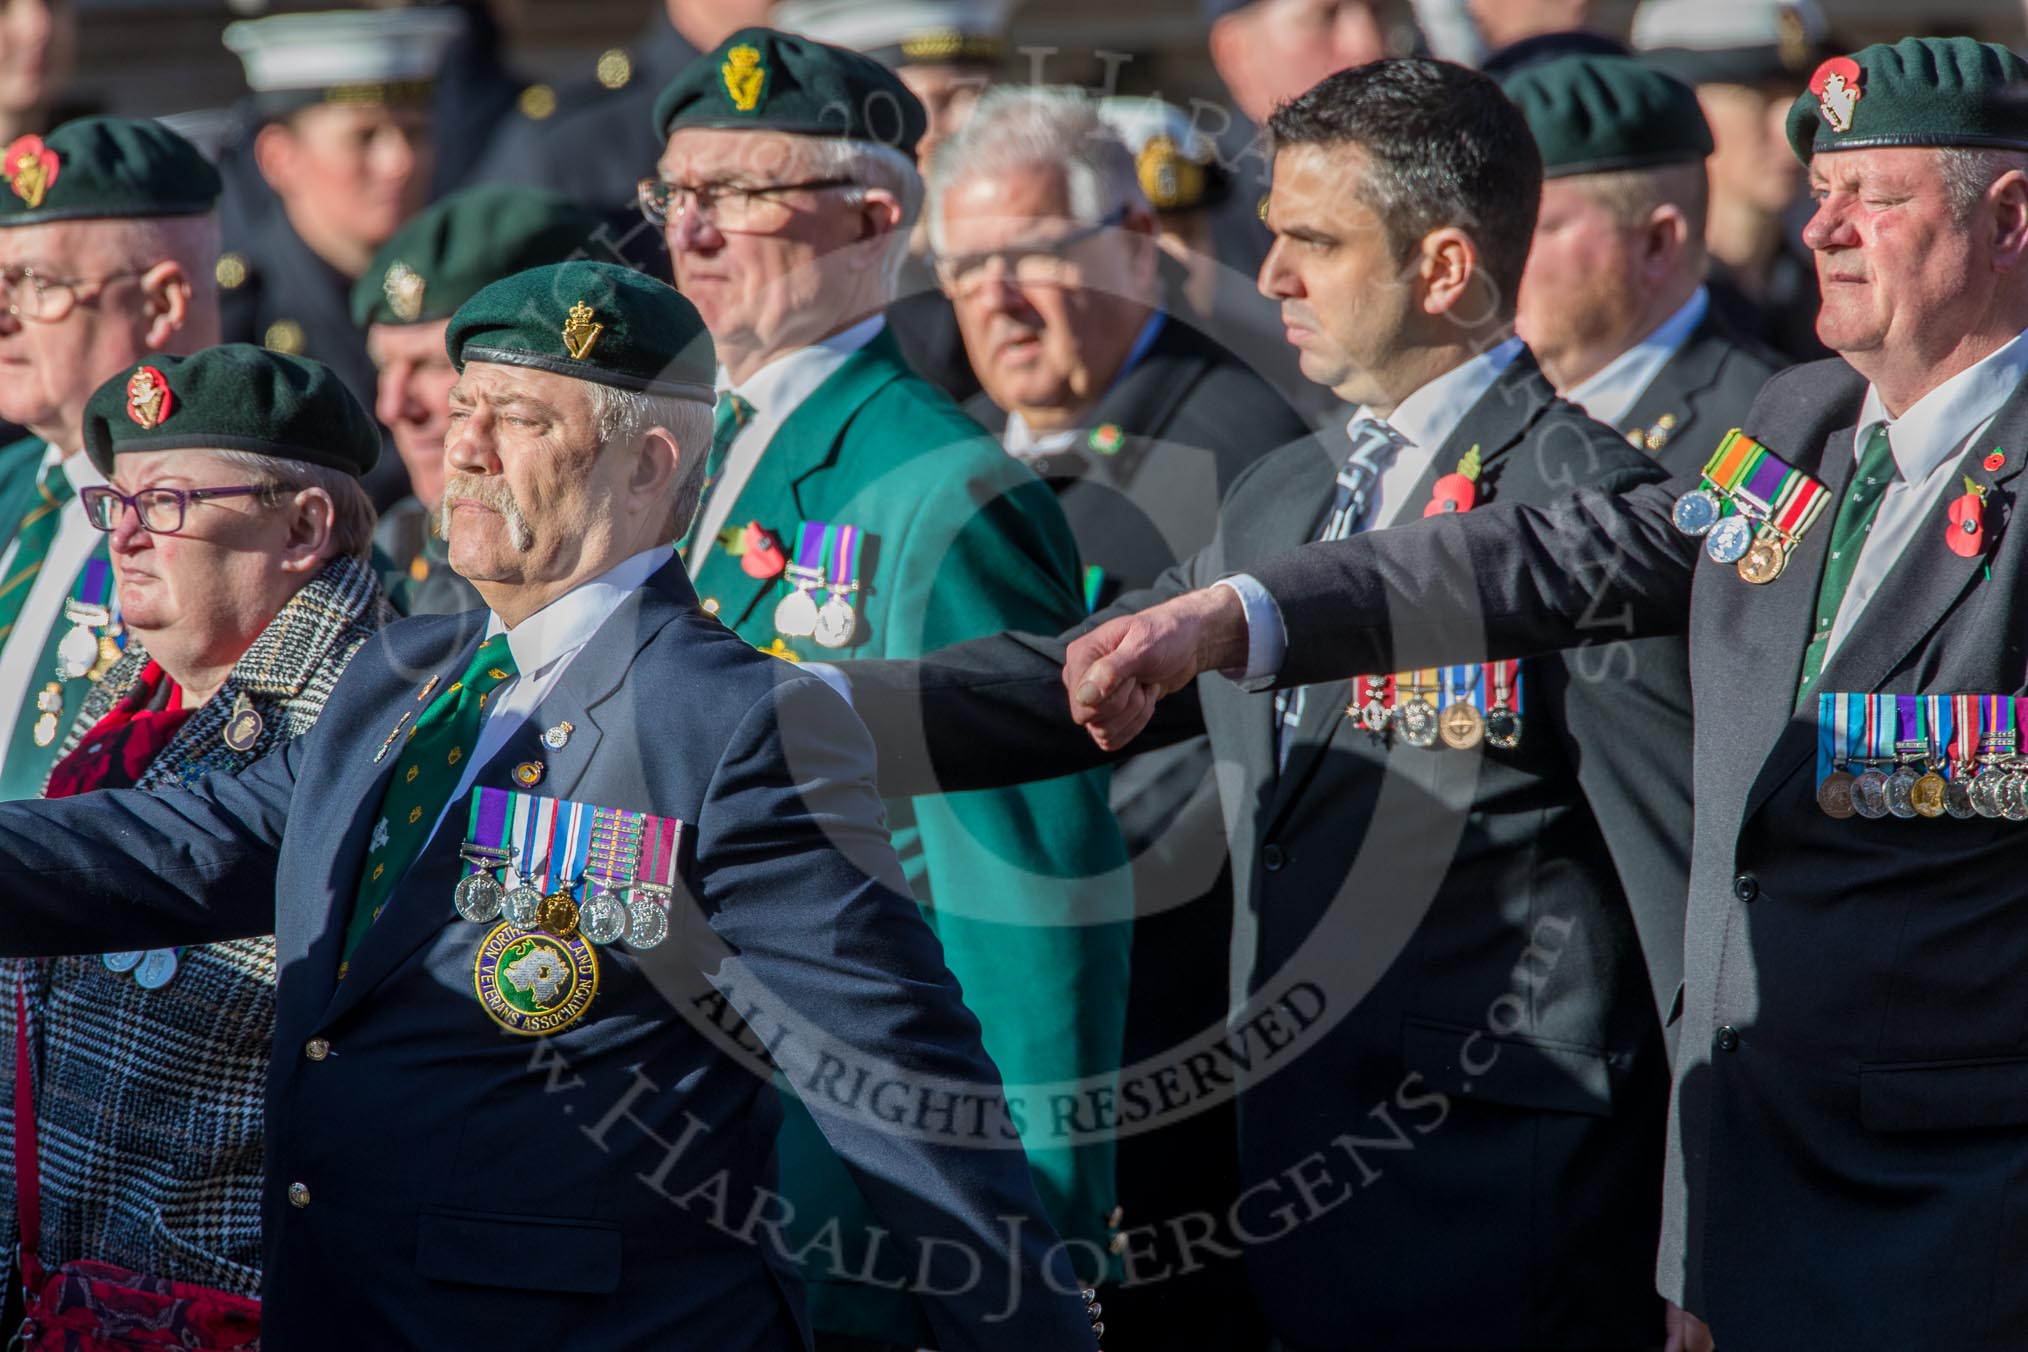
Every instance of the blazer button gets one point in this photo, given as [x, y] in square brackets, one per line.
[1727, 1040]
[299, 1195]
[1746, 887]
[1272, 858]
[317, 1048]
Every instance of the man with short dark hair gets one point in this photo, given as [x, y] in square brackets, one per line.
[1847, 1134]
[1614, 302]
[1444, 878]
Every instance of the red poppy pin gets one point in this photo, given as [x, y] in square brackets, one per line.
[764, 557]
[1456, 491]
[1966, 531]
[31, 169]
[1995, 460]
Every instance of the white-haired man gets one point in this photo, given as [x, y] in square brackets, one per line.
[853, 510]
[108, 236]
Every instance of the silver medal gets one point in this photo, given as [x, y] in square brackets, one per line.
[1980, 790]
[124, 961]
[836, 623]
[1503, 727]
[1419, 723]
[2014, 798]
[521, 905]
[1729, 540]
[156, 970]
[1901, 791]
[796, 615]
[1958, 799]
[76, 653]
[1697, 511]
[601, 917]
[1869, 795]
[647, 922]
[479, 897]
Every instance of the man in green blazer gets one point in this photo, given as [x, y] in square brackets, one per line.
[108, 245]
[853, 510]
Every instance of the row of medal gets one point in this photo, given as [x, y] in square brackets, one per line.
[153, 968]
[570, 869]
[1459, 707]
[827, 560]
[1752, 508]
[88, 650]
[1921, 756]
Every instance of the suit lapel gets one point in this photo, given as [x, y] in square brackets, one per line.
[802, 449]
[1674, 392]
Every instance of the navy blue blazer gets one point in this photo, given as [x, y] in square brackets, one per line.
[433, 1178]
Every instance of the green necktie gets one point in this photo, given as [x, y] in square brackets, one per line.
[727, 421]
[428, 770]
[31, 544]
[1848, 536]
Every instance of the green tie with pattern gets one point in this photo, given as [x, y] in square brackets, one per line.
[428, 770]
[1870, 482]
[31, 544]
[728, 420]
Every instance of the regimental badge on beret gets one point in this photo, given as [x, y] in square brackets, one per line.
[31, 169]
[148, 399]
[580, 333]
[1172, 181]
[404, 287]
[745, 77]
[1836, 85]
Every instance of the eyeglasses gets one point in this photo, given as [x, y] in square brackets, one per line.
[161, 509]
[1042, 264]
[30, 295]
[729, 206]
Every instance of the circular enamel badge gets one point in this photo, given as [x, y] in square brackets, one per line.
[535, 983]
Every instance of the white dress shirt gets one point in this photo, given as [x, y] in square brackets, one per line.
[1927, 441]
[21, 670]
[775, 391]
[544, 646]
[1426, 418]
[1610, 395]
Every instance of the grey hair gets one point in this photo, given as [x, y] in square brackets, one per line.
[1019, 127]
[624, 415]
[352, 514]
[870, 164]
[1969, 170]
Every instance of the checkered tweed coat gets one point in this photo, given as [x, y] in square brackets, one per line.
[148, 1103]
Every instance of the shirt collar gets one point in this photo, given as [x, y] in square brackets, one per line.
[790, 378]
[567, 623]
[1936, 426]
[81, 472]
[1610, 394]
[1429, 416]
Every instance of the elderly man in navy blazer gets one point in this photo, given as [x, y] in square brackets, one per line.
[556, 886]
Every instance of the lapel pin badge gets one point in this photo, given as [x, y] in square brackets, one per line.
[1459, 490]
[528, 774]
[558, 737]
[1966, 533]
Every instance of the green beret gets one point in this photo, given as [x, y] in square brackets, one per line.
[1918, 92]
[441, 258]
[101, 167]
[595, 321]
[1600, 114]
[234, 397]
[762, 80]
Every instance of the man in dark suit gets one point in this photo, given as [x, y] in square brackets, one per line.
[1140, 423]
[486, 1121]
[1448, 1051]
[1613, 301]
[1848, 1137]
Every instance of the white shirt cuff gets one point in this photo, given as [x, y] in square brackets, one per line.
[831, 676]
[1267, 638]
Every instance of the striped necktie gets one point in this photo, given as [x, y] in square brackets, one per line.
[31, 544]
[728, 420]
[1374, 446]
[1877, 472]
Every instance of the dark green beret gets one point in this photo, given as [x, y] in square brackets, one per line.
[1600, 114]
[595, 321]
[441, 258]
[1917, 92]
[104, 166]
[762, 80]
[234, 397]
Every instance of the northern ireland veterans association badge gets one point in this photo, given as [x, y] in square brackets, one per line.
[535, 984]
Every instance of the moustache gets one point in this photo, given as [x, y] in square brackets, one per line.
[493, 495]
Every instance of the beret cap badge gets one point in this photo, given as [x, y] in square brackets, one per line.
[1836, 85]
[148, 397]
[581, 332]
[745, 78]
[31, 169]
[404, 288]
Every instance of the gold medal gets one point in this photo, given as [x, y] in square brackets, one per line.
[1461, 726]
[1764, 562]
[1927, 795]
[557, 915]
